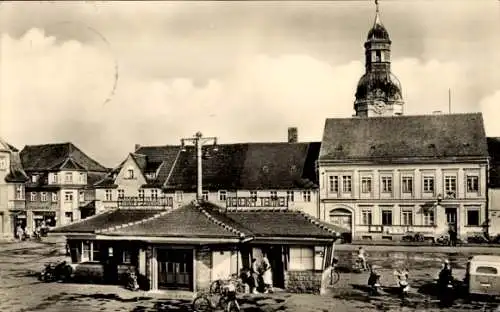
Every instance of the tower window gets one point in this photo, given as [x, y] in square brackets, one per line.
[378, 56]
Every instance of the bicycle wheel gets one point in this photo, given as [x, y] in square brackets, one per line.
[335, 277]
[201, 304]
[223, 301]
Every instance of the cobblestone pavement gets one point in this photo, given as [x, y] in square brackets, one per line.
[20, 291]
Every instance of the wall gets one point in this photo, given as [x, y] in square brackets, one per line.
[303, 281]
[203, 269]
[494, 211]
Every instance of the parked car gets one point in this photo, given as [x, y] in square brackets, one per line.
[483, 275]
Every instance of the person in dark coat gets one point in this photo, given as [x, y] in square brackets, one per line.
[453, 235]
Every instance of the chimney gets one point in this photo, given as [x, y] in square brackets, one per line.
[137, 146]
[293, 135]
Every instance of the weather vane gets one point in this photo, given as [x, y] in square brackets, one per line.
[376, 3]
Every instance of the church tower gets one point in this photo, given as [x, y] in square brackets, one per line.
[379, 91]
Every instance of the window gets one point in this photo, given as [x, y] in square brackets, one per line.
[68, 196]
[472, 184]
[473, 217]
[290, 196]
[34, 178]
[68, 177]
[366, 217]
[450, 185]
[387, 184]
[69, 215]
[81, 196]
[274, 194]
[204, 195]
[141, 194]
[346, 184]
[306, 196]
[54, 197]
[487, 270]
[222, 195]
[366, 185]
[429, 218]
[301, 258]
[126, 257]
[121, 193]
[130, 173]
[178, 196]
[43, 196]
[19, 192]
[386, 217]
[253, 194]
[428, 184]
[407, 184]
[33, 196]
[154, 194]
[109, 195]
[54, 178]
[333, 184]
[3, 163]
[407, 217]
[82, 178]
[90, 252]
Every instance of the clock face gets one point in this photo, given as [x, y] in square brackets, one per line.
[379, 107]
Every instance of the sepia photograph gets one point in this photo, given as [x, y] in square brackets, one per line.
[250, 156]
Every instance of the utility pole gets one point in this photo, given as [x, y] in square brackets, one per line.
[198, 141]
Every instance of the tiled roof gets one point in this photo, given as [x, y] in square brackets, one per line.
[406, 138]
[107, 219]
[248, 166]
[16, 173]
[49, 156]
[209, 221]
[494, 152]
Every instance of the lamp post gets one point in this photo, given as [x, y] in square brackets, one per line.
[198, 140]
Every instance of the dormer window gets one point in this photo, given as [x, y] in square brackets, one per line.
[53, 178]
[3, 163]
[151, 175]
[83, 179]
[68, 177]
[34, 178]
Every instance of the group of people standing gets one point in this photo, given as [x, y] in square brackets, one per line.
[24, 233]
[259, 277]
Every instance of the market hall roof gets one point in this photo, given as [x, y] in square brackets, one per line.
[206, 221]
[442, 137]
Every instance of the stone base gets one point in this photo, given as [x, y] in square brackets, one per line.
[303, 281]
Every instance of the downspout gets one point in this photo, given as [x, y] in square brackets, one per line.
[487, 191]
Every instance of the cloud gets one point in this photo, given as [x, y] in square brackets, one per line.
[489, 107]
[54, 91]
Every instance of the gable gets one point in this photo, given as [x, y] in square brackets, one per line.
[124, 180]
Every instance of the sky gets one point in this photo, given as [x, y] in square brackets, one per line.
[109, 75]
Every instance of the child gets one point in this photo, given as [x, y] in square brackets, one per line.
[362, 258]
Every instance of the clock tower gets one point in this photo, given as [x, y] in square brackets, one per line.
[378, 92]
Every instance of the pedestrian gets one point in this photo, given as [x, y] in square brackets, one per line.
[362, 258]
[267, 275]
[255, 276]
[19, 232]
[453, 235]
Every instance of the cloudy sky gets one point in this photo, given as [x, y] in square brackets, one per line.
[108, 75]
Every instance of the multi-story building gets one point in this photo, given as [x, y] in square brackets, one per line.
[59, 189]
[383, 174]
[494, 187]
[12, 178]
[234, 176]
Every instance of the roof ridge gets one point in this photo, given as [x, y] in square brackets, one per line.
[218, 222]
[124, 225]
[88, 218]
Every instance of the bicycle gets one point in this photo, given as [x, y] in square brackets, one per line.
[226, 290]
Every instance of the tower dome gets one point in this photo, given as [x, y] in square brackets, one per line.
[379, 91]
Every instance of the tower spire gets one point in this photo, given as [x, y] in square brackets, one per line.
[377, 13]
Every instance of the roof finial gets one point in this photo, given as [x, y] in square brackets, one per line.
[377, 17]
[376, 3]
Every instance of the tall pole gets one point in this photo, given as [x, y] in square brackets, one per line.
[199, 192]
[198, 141]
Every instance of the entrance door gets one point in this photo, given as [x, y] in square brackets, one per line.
[275, 257]
[341, 218]
[175, 268]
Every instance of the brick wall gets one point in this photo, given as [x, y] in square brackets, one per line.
[203, 269]
[303, 281]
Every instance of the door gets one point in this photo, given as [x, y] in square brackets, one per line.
[175, 268]
[451, 215]
[341, 218]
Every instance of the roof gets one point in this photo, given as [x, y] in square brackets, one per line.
[404, 138]
[59, 156]
[249, 166]
[16, 171]
[207, 220]
[107, 219]
[486, 258]
[494, 153]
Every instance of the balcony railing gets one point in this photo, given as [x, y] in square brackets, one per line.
[279, 201]
[16, 204]
[137, 201]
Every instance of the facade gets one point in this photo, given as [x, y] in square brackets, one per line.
[191, 246]
[59, 188]
[12, 179]
[494, 187]
[242, 175]
[383, 175]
